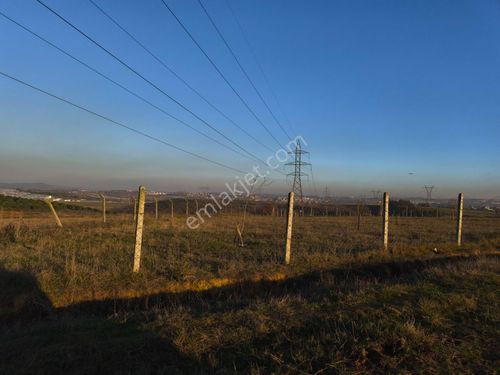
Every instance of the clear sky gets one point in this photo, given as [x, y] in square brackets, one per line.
[377, 88]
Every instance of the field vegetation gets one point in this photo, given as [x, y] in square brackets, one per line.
[202, 304]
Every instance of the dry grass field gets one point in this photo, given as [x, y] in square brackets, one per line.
[202, 304]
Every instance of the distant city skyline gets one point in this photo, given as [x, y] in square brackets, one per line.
[378, 89]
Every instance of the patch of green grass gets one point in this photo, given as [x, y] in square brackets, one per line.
[22, 204]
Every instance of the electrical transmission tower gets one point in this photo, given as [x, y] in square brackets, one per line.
[429, 189]
[297, 172]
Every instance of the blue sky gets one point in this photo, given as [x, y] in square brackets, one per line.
[377, 88]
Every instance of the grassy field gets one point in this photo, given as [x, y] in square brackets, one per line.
[202, 304]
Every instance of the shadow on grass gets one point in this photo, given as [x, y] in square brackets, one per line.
[242, 293]
[36, 338]
[21, 300]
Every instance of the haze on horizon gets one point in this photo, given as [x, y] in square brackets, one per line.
[377, 89]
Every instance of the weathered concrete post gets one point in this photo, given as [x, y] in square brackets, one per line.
[139, 223]
[103, 201]
[171, 208]
[385, 220]
[135, 208]
[460, 209]
[289, 223]
[56, 217]
[359, 217]
[156, 208]
[187, 207]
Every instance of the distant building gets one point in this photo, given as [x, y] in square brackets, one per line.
[15, 193]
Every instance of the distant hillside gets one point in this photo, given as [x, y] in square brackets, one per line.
[22, 204]
[33, 186]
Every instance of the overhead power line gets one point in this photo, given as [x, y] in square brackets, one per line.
[149, 82]
[243, 69]
[169, 69]
[221, 74]
[254, 55]
[120, 124]
[121, 86]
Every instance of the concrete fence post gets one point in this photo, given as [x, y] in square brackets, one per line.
[103, 202]
[135, 208]
[156, 208]
[139, 224]
[359, 217]
[56, 217]
[289, 223]
[171, 208]
[385, 220]
[460, 209]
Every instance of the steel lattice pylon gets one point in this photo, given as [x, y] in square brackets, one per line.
[428, 190]
[297, 173]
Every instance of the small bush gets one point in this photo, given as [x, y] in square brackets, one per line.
[12, 232]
